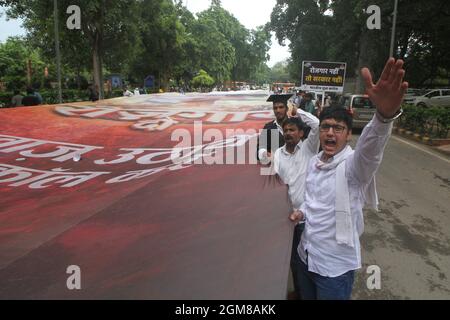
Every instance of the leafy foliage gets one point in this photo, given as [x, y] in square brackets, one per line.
[336, 31]
[15, 54]
[432, 121]
[146, 37]
[202, 80]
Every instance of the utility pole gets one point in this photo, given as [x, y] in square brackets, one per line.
[58, 54]
[394, 22]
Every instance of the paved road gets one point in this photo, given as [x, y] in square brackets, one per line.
[409, 239]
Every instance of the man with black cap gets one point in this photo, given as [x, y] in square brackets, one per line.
[273, 128]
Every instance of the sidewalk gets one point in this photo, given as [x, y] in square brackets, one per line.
[440, 145]
[443, 149]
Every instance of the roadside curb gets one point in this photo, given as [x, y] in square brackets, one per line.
[439, 145]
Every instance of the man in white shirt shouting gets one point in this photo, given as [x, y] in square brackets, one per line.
[339, 182]
[290, 163]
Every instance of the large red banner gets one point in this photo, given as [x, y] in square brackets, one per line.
[150, 197]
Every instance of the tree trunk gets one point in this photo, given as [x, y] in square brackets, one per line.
[165, 80]
[96, 70]
[363, 60]
[101, 92]
[97, 52]
[78, 78]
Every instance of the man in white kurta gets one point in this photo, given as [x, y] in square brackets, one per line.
[290, 163]
[339, 182]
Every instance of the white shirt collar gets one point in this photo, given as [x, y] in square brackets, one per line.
[297, 147]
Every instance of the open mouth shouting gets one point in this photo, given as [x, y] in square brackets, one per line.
[329, 145]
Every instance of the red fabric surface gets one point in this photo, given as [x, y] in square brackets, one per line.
[200, 232]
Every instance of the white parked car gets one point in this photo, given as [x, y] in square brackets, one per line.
[412, 94]
[437, 97]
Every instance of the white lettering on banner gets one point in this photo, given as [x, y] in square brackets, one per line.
[24, 176]
[190, 150]
[154, 119]
[191, 114]
[319, 70]
[85, 111]
[137, 114]
[185, 153]
[64, 151]
[334, 71]
[152, 125]
[123, 157]
[15, 144]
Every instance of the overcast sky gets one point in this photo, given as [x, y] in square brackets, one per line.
[251, 13]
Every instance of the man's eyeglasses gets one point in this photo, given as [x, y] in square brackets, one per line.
[324, 127]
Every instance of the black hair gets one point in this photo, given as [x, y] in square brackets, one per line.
[16, 92]
[296, 122]
[285, 104]
[337, 113]
[30, 90]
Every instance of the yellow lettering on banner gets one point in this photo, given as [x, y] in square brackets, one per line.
[337, 79]
[308, 77]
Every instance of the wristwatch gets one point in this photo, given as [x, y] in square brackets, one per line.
[387, 120]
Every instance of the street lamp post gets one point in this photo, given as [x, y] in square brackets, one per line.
[58, 55]
[394, 22]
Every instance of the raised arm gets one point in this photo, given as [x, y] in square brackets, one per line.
[387, 96]
[312, 142]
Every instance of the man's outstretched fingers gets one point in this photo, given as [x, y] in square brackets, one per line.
[387, 69]
[394, 70]
[404, 87]
[399, 79]
[367, 78]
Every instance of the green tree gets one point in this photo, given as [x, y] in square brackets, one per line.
[216, 53]
[250, 46]
[422, 40]
[202, 80]
[280, 72]
[163, 37]
[262, 74]
[336, 31]
[104, 27]
[15, 55]
[303, 23]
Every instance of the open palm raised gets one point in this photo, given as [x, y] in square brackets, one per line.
[388, 93]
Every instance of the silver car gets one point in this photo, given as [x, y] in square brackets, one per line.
[437, 97]
[360, 107]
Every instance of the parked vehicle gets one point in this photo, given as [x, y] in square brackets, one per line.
[360, 107]
[437, 97]
[411, 94]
